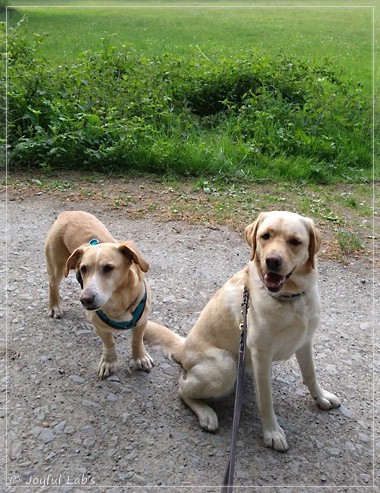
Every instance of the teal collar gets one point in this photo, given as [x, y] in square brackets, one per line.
[94, 242]
[130, 324]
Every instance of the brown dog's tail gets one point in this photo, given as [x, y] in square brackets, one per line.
[170, 342]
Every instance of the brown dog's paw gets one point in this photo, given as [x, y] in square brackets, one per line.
[106, 366]
[55, 312]
[145, 363]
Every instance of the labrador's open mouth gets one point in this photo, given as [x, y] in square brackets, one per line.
[274, 282]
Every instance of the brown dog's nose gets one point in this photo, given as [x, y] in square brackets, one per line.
[87, 299]
[273, 262]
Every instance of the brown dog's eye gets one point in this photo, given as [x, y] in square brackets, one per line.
[295, 242]
[83, 269]
[108, 268]
[265, 236]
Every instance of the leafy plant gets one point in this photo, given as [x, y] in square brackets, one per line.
[248, 116]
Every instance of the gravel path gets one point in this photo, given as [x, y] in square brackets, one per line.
[131, 432]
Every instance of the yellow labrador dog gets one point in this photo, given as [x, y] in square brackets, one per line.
[284, 314]
[111, 273]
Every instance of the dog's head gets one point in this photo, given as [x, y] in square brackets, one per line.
[105, 268]
[282, 243]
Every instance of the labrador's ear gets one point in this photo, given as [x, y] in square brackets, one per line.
[74, 260]
[130, 251]
[251, 233]
[314, 241]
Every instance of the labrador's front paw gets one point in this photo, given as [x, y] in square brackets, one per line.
[276, 439]
[327, 400]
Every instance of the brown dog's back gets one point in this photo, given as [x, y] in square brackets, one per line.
[73, 228]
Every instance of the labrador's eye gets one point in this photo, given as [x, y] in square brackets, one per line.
[83, 269]
[265, 236]
[295, 242]
[108, 268]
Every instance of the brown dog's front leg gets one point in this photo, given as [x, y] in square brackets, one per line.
[109, 356]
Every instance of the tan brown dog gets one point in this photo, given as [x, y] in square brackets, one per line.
[114, 291]
[284, 314]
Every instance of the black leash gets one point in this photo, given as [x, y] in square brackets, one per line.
[229, 474]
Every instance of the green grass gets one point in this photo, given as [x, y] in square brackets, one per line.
[341, 34]
[335, 33]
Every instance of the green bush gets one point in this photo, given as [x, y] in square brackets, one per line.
[250, 116]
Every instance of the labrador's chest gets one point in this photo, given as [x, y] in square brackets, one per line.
[279, 329]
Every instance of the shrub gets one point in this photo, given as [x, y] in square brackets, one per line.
[250, 116]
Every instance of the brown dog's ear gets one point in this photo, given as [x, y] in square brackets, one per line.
[314, 241]
[129, 250]
[73, 261]
[251, 232]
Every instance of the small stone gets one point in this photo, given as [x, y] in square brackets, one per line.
[139, 479]
[94, 405]
[88, 430]
[125, 417]
[363, 437]
[365, 326]
[77, 440]
[333, 451]
[113, 378]
[243, 475]
[60, 427]
[169, 299]
[36, 430]
[112, 397]
[88, 442]
[46, 435]
[77, 379]
[346, 412]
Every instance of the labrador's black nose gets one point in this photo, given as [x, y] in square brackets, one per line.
[273, 262]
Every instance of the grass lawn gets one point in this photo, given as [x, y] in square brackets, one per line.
[341, 33]
[337, 31]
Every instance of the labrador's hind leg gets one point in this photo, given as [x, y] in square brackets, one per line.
[214, 376]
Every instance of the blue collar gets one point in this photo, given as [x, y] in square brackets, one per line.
[130, 324]
[78, 275]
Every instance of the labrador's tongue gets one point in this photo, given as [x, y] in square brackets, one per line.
[273, 280]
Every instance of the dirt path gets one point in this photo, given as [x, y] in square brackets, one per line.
[131, 432]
